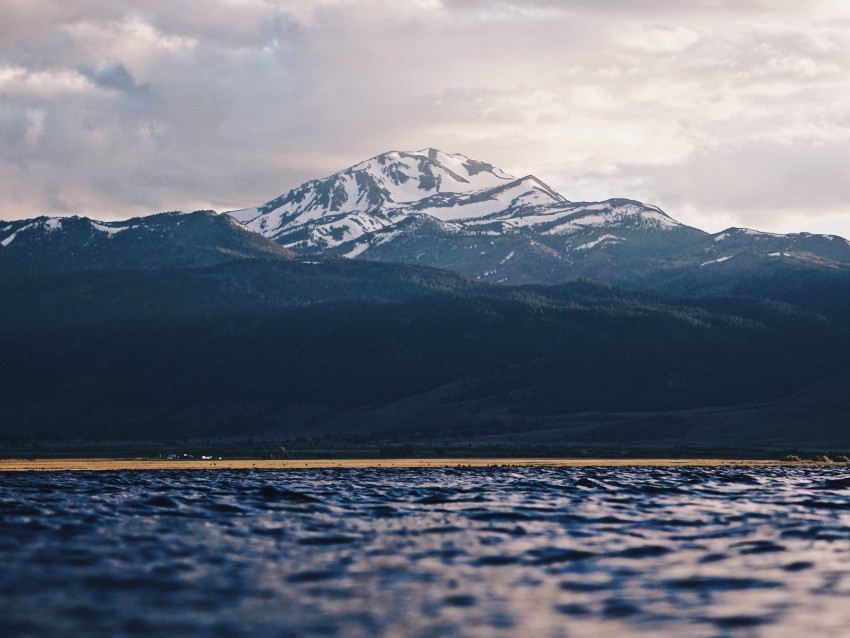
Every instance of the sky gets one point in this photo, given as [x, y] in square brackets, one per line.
[722, 112]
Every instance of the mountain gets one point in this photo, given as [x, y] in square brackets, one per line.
[449, 211]
[188, 326]
[157, 241]
[380, 184]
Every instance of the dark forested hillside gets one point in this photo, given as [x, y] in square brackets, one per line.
[184, 326]
[284, 347]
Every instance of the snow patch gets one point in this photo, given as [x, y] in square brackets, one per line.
[383, 238]
[507, 258]
[611, 239]
[8, 240]
[524, 193]
[11, 237]
[357, 250]
[719, 260]
[759, 233]
[103, 227]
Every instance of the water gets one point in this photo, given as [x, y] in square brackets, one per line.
[434, 552]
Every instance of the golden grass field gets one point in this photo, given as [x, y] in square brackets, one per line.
[106, 464]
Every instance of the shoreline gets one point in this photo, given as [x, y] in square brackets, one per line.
[120, 464]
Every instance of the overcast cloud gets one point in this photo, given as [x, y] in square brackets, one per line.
[723, 112]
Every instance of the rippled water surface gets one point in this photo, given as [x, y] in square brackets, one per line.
[433, 552]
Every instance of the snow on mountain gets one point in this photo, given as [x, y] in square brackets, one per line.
[831, 247]
[446, 211]
[527, 195]
[155, 241]
[432, 208]
[366, 190]
[379, 193]
[46, 225]
[571, 217]
[382, 191]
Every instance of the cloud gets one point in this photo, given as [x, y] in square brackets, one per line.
[759, 184]
[114, 111]
[111, 76]
[659, 39]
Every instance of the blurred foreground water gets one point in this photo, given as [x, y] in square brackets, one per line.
[428, 552]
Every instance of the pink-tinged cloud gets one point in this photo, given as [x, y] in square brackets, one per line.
[722, 112]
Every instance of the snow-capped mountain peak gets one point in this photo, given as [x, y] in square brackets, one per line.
[372, 194]
[379, 193]
[406, 177]
[448, 210]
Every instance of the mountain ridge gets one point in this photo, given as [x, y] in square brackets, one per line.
[549, 239]
[162, 240]
[451, 212]
[188, 325]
